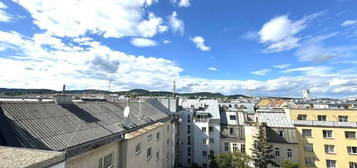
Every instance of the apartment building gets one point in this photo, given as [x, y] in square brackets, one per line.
[204, 137]
[279, 132]
[91, 133]
[232, 130]
[326, 138]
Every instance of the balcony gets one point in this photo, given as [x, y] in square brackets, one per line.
[325, 123]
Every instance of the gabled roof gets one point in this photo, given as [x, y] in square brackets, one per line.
[50, 126]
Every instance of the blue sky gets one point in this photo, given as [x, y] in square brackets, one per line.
[276, 48]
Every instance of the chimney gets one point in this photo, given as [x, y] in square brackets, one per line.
[63, 99]
[64, 88]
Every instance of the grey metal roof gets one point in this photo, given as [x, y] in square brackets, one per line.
[275, 119]
[46, 125]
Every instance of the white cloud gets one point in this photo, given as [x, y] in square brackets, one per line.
[176, 24]
[200, 43]
[4, 17]
[313, 50]
[43, 61]
[279, 34]
[250, 35]
[166, 41]
[349, 22]
[109, 18]
[261, 72]
[311, 70]
[143, 42]
[212, 69]
[181, 3]
[282, 66]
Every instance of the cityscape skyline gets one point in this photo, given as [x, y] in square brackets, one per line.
[274, 48]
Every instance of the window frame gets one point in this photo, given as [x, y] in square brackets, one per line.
[232, 117]
[302, 117]
[326, 132]
[321, 117]
[326, 147]
[309, 130]
[341, 119]
[346, 133]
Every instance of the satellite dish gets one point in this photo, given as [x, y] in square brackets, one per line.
[126, 111]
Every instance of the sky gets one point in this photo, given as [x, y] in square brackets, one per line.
[272, 47]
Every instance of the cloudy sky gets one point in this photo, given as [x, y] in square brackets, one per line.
[275, 47]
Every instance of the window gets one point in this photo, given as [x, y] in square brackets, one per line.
[188, 151]
[188, 140]
[188, 129]
[158, 136]
[149, 137]
[204, 129]
[157, 155]
[168, 141]
[302, 117]
[204, 153]
[148, 153]
[138, 148]
[290, 153]
[168, 128]
[331, 163]
[306, 132]
[211, 141]
[231, 131]
[242, 148]
[308, 147]
[210, 129]
[232, 117]
[352, 150]
[108, 161]
[350, 134]
[235, 147]
[353, 164]
[277, 152]
[204, 165]
[188, 118]
[343, 118]
[189, 161]
[281, 133]
[226, 146]
[309, 161]
[321, 117]
[204, 141]
[330, 148]
[211, 152]
[327, 133]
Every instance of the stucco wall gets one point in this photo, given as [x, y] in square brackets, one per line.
[91, 159]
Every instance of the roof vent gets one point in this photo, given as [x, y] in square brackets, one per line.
[63, 99]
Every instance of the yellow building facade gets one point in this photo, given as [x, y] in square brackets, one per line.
[326, 138]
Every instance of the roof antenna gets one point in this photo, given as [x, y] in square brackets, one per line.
[127, 121]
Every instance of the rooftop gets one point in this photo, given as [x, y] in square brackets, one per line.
[21, 157]
[50, 126]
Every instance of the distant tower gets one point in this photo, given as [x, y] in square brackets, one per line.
[306, 95]
[174, 89]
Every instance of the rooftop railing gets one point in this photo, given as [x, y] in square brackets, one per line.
[325, 123]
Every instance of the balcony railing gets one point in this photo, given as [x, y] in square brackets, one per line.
[325, 123]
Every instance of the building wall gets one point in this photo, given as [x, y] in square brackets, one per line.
[339, 140]
[164, 145]
[332, 115]
[91, 159]
[283, 152]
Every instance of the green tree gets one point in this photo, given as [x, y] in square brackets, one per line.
[262, 152]
[289, 164]
[231, 160]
